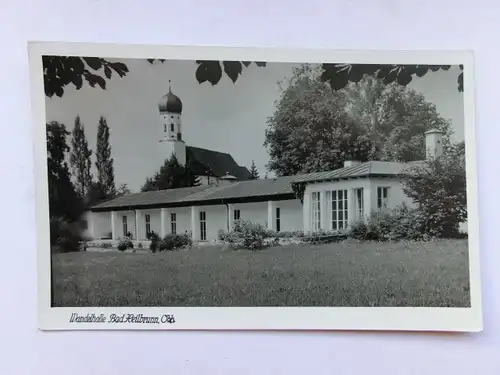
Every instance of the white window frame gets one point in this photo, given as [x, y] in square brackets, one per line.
[203, 225]
[173, 223]
[382, 197]
[316, 211]
[339, 209]
[359, 203]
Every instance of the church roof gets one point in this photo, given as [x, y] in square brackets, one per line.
[259, 190]
[213, 163]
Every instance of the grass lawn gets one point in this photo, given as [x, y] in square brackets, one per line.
[340, 274]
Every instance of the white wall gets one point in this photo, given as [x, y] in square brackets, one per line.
[254, 212]
[216, 218]
[396, 195]
[291, 215]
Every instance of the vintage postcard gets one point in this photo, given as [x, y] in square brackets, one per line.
[237, 188]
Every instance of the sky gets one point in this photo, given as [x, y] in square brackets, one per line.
[226, 117]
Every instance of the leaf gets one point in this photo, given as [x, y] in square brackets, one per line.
[460, 81]
[120, 68]
[210, 71]
[260, 64]
[356, 73]
[78, 81]
[232, 69]
[404, 78]
[421, 70]
[94, 62]
[246, 63]
[391, 77]
[151, 61]
[94, 79]
[383, 71]
[107, 72]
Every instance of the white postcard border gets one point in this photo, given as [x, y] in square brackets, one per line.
[253, 318]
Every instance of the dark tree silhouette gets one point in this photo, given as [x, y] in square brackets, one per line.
[80, 159]
[254, 172]
[172, 175]
[104, 161]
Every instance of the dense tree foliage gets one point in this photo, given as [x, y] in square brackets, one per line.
[64, 201]
[439, 189]
[80, 159]
[316, 128]
[172, 175]
[104, 161]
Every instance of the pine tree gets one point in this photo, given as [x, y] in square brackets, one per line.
[254, 172]
[172, 175]
[80, 159]
[104, 161]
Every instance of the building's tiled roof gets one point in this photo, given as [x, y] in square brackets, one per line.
[252, 189]
[369, 168]
[213, 163]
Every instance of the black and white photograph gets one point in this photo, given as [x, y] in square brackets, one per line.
[171, 180]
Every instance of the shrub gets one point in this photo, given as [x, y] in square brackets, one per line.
[125, 243]
[400, 223]
[247, 235]
[64, 236]
[174, 242]
[155, 239]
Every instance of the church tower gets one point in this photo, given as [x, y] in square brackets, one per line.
[170, 108]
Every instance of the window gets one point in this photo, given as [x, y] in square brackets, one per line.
[316, 211]
[339, 209]
[173, 223]
[203, 225]
[359, 204]
[125, 228]
[148, 226]
[382, 197]
[164, 128]
[237, 215]
[172, 127]
[278, 219]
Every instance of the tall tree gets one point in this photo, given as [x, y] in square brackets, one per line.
[254, 172]
[171, 175]
[316, 128]
[80, 159]
[64, 202]
[104, 161]
[309, 130]
[393, 117]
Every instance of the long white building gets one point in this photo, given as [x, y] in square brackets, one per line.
[332, 200]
